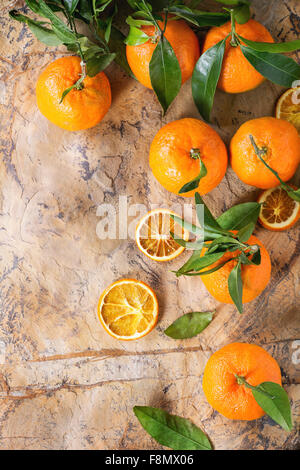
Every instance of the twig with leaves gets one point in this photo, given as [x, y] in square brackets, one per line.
[227, 234]
[95, 55]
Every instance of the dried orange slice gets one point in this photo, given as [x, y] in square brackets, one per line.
[128, 309]
[288, 107]
[278, 211]
[153, 237]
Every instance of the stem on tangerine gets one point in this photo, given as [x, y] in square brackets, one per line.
[195, 153]
[233, 41]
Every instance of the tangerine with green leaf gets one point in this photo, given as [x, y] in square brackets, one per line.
[81, 108]
[221, 384]
[183, 41]
[178, 151]
[255, 278]
[279, 142]
[237, 74]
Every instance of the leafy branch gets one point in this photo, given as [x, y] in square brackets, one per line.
[265, 57]
[227, 234]
[95, 55]
[164, 69]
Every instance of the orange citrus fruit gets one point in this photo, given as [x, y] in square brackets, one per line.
[128, 309]
[237, 74]
[185, 45]
[281, 143]
[153, 235]
[173, 155]
[80, 109]
[288, 107]
[278, 211]
[255, 277]
[220, 384]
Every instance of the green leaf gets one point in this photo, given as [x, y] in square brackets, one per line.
[246, 232]
[165, 73]
[200, 18]
[273, 399]
[188, 266]
[116, 45]
[71, 5]
[276, 48]
[98, 63]
[191, 185]
[237, 217]
[136, 37]
[206, 76]
[170, 430]
[187, 226]
[235, 286]
[197, 262]
[277, 68]
[242, 14]
[59, 27]
[189, 245]
[211, 226]
[293, 193]
[43, 34]
[189, 325]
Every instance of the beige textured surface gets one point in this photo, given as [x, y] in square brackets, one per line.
[64, 383]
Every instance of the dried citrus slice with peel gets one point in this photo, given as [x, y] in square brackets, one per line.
[288, 107]
[153, 236]
[278, 211]
[128, 309]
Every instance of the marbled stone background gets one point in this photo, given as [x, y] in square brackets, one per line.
[64, 383]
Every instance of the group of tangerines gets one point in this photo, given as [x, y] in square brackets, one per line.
[128, 309]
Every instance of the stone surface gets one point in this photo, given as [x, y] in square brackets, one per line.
[64, 383]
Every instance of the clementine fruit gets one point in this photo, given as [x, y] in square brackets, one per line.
[220, 384]
[255, 277]
[80, 109]
[185, 45]
[237, 74]
[281, 144]
[175, 152]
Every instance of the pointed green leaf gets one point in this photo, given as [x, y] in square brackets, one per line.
[209, 222]
[187, 226]
[191, 185]
[170, 430]
[246, 232]
[189, 325]
[276, 48]
[197, 262]
[242, 13]
[62, 31]
[206, 76]
[273, 399]
[200, 18]
[239, 216]
[235, 286]
[98, 63]
[41, 32]
[165, 73]
[136, 37]
[277, 68]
